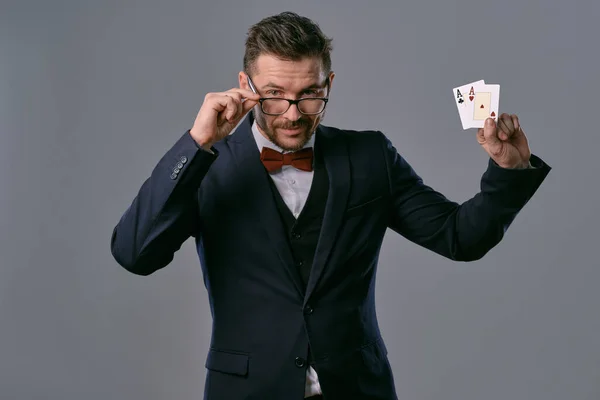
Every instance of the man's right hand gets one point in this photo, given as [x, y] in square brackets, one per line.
[220, 113]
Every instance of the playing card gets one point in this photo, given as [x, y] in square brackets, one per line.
[464, 97]
[486, 99]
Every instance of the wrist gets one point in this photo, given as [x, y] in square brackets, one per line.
[203, 142]
[524, 165]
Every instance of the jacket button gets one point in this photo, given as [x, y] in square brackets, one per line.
[300, 362]
[180, 165]
[296, 235]
[308, 310]
[183, 159]
[173, 176]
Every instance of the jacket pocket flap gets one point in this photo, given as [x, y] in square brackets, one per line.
[229, 363]
[363, 207]
[375, 352]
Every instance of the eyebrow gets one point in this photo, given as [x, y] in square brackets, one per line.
[275, 86]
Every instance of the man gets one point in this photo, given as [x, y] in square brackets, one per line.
[289, 243]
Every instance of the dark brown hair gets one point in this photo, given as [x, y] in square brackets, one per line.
[287, 36]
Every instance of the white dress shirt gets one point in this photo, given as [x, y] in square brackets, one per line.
[293, 185]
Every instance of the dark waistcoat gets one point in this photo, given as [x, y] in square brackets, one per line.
[303, 232]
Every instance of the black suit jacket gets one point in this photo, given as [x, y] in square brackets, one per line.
[262, 320]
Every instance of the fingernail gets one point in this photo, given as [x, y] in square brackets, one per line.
[489, 122]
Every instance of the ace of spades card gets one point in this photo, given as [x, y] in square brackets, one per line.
[463, 97]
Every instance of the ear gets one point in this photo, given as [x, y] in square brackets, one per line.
[331, 76]
[243, 80]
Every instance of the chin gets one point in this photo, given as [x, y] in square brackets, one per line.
[292, 143]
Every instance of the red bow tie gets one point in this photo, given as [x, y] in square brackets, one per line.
[274, 160]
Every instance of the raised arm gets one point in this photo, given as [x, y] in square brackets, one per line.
[461, 232]
[165, 211]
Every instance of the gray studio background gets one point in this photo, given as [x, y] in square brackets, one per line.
[93, 93]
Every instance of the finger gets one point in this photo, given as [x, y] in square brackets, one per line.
[246, 94]
[243, 104]
[490, 136]
[248, 99]
[248, 104]
[503, 131]
[237, 99]
[480, 136]
[232, 108]
[505, 125]
[507, 121]
[515, 121]
[224, 105]
[215, 101]
[234, 95]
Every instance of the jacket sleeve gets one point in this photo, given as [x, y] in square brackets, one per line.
[164, 214]
[460, 232]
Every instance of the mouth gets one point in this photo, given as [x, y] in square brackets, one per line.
[292, 132]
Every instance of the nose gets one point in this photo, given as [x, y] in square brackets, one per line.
[293, 114]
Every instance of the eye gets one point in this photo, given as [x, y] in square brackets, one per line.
[273, 92]
[311, 93]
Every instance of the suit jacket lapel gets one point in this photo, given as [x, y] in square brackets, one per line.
[247, 159]
[337, 164]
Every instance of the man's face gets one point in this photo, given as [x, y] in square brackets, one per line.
[292, 80]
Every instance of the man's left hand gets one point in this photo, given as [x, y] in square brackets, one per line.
[505, 142]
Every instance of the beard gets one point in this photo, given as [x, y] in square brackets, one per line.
[305, 124]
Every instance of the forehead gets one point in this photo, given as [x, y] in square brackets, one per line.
[286, 73]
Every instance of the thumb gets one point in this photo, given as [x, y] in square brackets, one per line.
[248, 104]
[488, 136]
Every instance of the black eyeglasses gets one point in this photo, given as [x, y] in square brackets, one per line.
[279, 105]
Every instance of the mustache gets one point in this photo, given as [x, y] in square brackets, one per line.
[301, 123]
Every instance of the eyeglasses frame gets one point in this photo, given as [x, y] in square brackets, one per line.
[290, 102]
